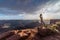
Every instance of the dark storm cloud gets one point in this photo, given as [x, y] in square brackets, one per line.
[23, 5]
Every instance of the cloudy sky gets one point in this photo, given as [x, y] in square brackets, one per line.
[29, 9]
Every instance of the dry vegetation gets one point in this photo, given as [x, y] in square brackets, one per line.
[38, 33]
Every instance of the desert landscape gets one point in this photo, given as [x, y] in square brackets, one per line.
[29, 19]
[32, 31]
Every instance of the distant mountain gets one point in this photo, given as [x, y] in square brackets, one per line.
[32, 24]
[16, 23]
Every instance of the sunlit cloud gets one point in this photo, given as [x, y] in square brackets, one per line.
[30, 10]
[51, 10]
[11, 17]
